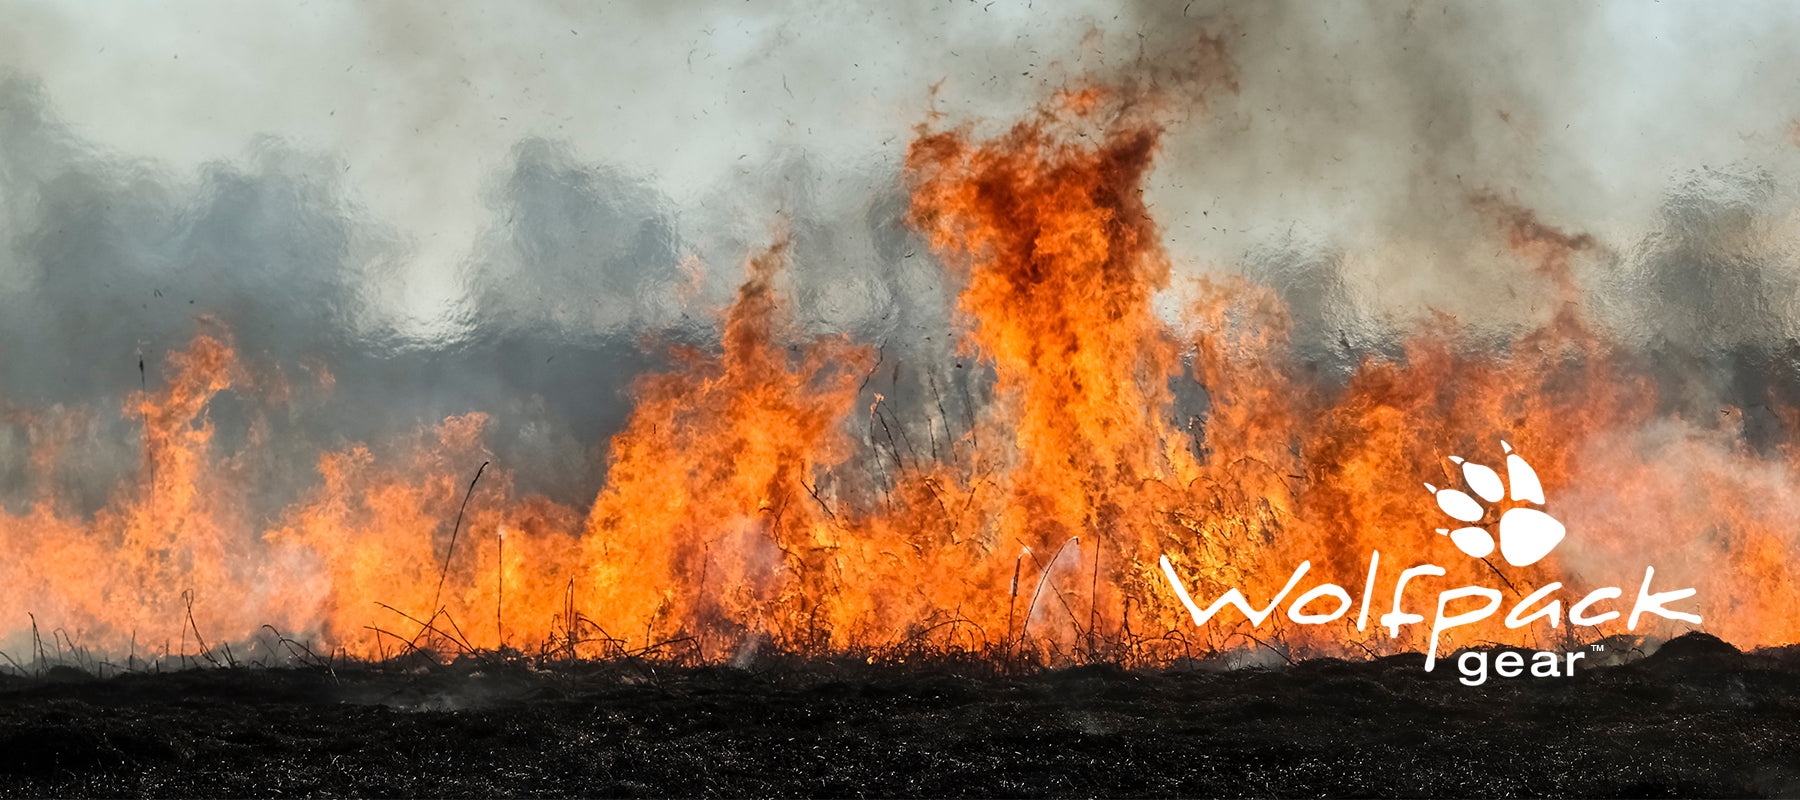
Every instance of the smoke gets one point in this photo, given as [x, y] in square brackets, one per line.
[583, 251]
[114, 260]
[407, 211]
[1359, 130]
[1343, 173]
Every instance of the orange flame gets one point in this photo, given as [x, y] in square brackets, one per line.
[750, 496]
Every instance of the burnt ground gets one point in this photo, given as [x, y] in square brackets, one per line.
[1696, 718]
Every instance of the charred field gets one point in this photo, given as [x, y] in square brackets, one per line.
[780, 375]
[1694, 718]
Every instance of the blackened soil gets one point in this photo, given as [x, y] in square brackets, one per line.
[1695, 719]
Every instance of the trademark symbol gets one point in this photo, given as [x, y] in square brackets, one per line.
[1597, 647]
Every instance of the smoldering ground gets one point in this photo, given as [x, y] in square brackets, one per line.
[1695, 719]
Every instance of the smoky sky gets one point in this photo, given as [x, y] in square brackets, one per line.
[511, 208]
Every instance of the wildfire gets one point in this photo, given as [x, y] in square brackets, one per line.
[757, 493]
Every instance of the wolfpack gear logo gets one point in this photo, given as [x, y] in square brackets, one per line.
[1524, 535]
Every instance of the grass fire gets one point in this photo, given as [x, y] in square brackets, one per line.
[1036, 436]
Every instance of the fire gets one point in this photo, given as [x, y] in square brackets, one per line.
[758, 494]
[710, 517]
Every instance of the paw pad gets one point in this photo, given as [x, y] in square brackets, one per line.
[1526, 535]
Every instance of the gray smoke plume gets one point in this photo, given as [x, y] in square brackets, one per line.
[507, 207]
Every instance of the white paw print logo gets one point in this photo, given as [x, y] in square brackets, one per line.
[1526, 534]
